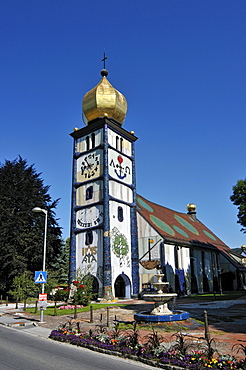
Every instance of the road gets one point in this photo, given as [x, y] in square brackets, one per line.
[21, 351]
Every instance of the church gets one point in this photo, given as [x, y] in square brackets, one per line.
[120, 238]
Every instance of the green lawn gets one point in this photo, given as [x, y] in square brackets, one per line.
[95, 306]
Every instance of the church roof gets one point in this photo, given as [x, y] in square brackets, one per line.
[177, 227]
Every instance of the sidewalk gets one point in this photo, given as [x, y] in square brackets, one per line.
[227, 320]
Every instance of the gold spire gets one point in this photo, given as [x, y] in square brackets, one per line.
[104, 100]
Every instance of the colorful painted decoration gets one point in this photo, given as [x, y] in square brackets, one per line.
[162, 225]
[120, 167]
[143, 204]
[209, 235]
[186, 224]
[119, 243]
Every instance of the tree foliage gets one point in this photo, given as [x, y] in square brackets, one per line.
[22, 230]
[61, 264]
[23, 286]
[239, 199]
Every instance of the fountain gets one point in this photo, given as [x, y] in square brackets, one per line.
[161, 312]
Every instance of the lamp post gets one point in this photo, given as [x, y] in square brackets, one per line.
[38, 209]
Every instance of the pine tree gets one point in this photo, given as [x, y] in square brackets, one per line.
[61, 264]
[22, 230]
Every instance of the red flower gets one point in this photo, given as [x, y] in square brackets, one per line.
[81, 286]
[75, 282]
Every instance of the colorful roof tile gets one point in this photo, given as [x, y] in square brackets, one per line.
[178, 227]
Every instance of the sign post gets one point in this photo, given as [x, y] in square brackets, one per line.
[38, 209]
[42, 298]
[41, 278]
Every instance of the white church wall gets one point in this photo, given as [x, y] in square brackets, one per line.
[120, 191]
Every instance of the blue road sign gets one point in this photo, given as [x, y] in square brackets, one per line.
[40, 277]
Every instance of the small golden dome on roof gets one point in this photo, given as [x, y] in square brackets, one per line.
[104, 101]
[191, 207]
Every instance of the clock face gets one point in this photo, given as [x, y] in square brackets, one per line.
[88, 166]
[89, 217]
[120, 167]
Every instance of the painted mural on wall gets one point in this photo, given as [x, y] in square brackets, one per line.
[120, 167]
[120, 247]
[88, 255]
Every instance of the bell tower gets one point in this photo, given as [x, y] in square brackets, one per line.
[104, 242]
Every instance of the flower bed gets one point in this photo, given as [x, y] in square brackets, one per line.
[155, 351]
[69, 307]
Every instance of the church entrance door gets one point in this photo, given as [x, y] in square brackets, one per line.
[122, 287]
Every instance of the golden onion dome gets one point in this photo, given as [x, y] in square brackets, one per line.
[104, 101]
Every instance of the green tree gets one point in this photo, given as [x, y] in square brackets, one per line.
[22, 230]
[23, 286]
[61, 264]
[239, 199]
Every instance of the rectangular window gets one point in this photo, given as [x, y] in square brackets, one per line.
[89, 193]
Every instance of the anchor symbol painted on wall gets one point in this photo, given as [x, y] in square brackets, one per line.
[119, 170]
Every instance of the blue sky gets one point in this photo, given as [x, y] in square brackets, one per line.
[181, 66]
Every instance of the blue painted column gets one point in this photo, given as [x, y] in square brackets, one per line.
[134, 233]
[72, 266]
[107, 276]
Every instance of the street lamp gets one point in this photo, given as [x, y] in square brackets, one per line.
[38, 209]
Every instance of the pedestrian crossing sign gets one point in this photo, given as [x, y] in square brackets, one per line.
[40, 277]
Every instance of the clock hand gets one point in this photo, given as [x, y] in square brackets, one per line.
[88, 164]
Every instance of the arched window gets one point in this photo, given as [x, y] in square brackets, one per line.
[89, 193]
[89, 237]
[120, 214]
[121, 144]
